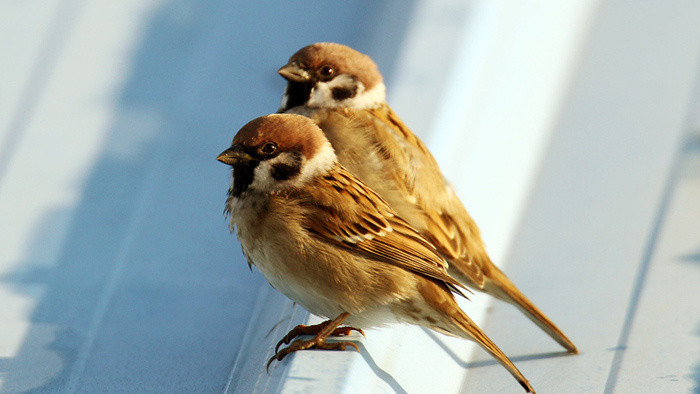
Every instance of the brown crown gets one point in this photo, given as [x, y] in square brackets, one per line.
[343, 59]
[290, 132]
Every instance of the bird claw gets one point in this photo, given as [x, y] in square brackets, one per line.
[343, 331]
[321, 331]
[314, 343]
[314, 330]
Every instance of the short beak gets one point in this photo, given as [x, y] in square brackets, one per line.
[234, 155]
[293, 73]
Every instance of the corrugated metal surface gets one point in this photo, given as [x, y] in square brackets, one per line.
[601, 210]
[117, 272]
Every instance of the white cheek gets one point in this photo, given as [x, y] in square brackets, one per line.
[322, 95]
[262, 177]
[263, 181]
[322, 162]
[368, 99]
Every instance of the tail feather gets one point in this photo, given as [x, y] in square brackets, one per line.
[472, 332]
[451, 319]
[506, 290]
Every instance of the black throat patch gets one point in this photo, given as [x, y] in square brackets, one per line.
[298, 93]
[242, 178]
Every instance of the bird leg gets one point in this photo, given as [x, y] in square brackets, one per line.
[322, 332]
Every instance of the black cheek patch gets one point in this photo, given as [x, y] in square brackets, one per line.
[283, 171]
[343, 93]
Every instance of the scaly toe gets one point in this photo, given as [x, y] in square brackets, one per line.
[314, 343]
[295, 332]
[301, 330]
[299, 344]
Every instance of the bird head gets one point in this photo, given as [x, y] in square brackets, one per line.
[275, 152]
[328, 75]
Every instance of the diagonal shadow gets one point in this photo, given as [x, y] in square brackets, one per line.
[378, 371]
[690, 258]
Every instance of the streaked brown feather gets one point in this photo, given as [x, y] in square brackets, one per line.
[410, 181]
[343, 211]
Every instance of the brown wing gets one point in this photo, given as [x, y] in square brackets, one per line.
[447, 223]
[376, 146]
[345, 212]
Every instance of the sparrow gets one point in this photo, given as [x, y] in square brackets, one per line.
[342, 90]
[328, 242]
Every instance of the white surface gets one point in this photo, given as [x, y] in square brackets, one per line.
[116, 269]
[592, 220]
[667, 318]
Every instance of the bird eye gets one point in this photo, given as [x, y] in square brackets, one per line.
[326, 72]
[269, 148]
